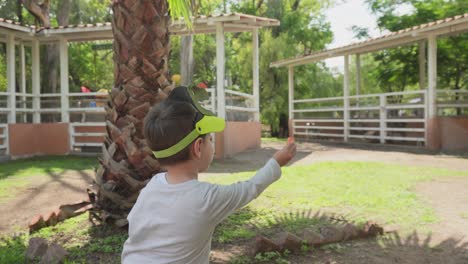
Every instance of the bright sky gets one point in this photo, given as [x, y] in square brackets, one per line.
[342, 17]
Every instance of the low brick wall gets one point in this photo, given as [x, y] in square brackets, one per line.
[39, 139]
[237, 137]
[453, 133]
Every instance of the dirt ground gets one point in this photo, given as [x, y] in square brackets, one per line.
[447, 244]
[41, 196]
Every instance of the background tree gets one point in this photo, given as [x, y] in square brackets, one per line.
[303, 30]
[397, 69]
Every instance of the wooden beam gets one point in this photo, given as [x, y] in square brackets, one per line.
[346, 98]
[432, 75]
[422, 64]
[389, 41]
[291, 91]
[64, 85]
[36, 81]
[16, 27]
[383, 118]
[255, 73]
[358, 74]
[220, 70]
[241, 26]
[11, 78]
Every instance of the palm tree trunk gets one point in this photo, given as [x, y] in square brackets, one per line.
[141, 54]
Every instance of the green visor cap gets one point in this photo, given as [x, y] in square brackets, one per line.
[208, 123]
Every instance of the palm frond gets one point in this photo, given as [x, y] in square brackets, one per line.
[181, 9]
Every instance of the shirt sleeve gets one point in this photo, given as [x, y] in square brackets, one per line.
[225, 199]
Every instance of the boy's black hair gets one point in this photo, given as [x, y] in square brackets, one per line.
[166, 124]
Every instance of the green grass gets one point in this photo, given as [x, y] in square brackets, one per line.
[15, 175]
[76, 235]
[360, 191]
[45, 165]
[464, 215]
[363, 191]
[273, 140]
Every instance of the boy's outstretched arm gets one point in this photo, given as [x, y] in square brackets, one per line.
[225, 199]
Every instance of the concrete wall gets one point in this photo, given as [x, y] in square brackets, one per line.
[39, 139]
[237, 137]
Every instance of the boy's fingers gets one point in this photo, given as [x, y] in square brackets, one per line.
[290, 146]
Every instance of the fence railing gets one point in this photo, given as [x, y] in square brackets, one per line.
[452, 102]
[4, 139]
[87, 121]
[239, 106]
[397, 117]
[388, 117]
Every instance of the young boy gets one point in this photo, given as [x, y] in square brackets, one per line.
[175, 215]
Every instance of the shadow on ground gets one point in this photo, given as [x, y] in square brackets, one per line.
[47, 164]
[251, 160]
[393, 247]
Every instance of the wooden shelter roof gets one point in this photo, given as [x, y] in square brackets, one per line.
[447, 26]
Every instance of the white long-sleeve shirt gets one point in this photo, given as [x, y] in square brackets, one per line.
[174, 223]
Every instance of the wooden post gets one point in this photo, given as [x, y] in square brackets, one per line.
[358, 74]
[383, 118]
[23, 82]
[64, 89]
[422, 65]
[11, 78]
[432, 76]
[432, 135]
[220, 67]
[255, 74]
[346, 99]
[291, 100]
[221, 101]
[36, 81]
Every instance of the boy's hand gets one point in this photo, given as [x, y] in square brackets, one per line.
[288, 152]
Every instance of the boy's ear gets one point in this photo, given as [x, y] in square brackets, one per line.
[196, 148]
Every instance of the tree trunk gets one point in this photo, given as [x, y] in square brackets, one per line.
[186, 52]
[39, 10]
[186, 59]
[141, 54]
[52, 52]
[19, 9]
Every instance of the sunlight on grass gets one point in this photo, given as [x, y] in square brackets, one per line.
[15, 175]
[362, 190]
[464, 215]
[9, 184]
[273, 140]
[45, 165]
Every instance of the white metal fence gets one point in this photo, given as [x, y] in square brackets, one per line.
[4, 112]
[3, 139]
[86, 113]
[386, 118]
[398, 117]
[452, 102]
[239, 106]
